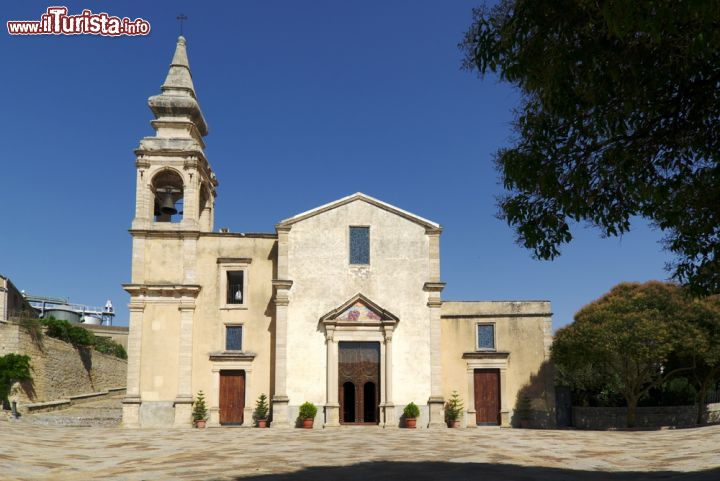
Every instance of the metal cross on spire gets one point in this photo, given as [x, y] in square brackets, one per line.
[181, 18]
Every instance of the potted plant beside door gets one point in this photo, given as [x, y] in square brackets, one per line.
[453, 410]
[524, 411]
[200, 413]
[261, 411]
[308, 411]
[411, 413]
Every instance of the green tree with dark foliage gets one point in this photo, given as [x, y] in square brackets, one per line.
[620, 117]
[624, 339]
[702, 348]
[13, 368]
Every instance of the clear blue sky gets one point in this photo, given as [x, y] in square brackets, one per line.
[307, 101]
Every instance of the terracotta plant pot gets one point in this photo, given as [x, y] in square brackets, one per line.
[262, 423]
[307, 423]
[410, 423]
[200, 424]
[453, 424]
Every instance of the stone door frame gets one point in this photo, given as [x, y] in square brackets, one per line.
[230, 362]
[381, 331]
[487, 360]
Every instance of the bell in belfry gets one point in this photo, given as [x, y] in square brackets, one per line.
[167, 205]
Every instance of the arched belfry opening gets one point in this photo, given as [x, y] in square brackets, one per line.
[167, 187]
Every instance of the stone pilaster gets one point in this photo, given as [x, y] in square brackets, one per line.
[282, 286]
[184, 399]
[131, 402]
[332, 406]
[436, 403]
[390, 419]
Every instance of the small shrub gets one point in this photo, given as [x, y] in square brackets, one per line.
[57, 328]
[308, 411]
[108, 346]
[261, 408]
[80, 337]
[65, 331]
[13, 368]
[199, 408]
[411, 411]
[33, 327]
[454, 407]
[524, 408]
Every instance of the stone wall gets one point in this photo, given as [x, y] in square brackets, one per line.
[118, 334]
[58, 369]
[12, 302]
[647, 417]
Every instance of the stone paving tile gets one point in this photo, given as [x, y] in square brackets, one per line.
[48, 452]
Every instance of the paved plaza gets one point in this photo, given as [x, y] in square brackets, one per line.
[66, 446]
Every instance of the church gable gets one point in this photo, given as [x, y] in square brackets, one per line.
[359, 312]
[359, 196]
[359, 309]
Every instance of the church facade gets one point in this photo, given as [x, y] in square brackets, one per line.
[340, 306]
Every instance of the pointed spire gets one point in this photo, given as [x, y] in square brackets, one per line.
[178, 99]
[179, 76]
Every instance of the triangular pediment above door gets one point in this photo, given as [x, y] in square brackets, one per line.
[359, 309]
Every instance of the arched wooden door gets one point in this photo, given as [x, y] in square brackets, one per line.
[359, 382]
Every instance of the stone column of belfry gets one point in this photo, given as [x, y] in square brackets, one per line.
[282, 287]
[436, 403]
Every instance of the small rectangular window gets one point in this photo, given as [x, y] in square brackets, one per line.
[233, 338]
[485, 336]
[235, 287]
[359, 245]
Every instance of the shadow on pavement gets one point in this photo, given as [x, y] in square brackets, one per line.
[386, 470]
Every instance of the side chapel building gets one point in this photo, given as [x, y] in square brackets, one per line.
[340, 306]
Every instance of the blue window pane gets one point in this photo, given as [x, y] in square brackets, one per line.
[233, 338]
[486, 336]
[359, 245]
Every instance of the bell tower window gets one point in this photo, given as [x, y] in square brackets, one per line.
[167, 187]
[236, 287]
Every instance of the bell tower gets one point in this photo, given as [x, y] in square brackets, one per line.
[174, 205]
[175, 184]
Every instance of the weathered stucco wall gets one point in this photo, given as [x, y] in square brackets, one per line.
[522, 329]
[647, 417]
[159, 357]
[255, 315]
[323, 279]
[160, 372]
[59, 370]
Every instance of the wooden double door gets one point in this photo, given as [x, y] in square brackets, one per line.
[487, 396]
[359, 382]
[232, 397]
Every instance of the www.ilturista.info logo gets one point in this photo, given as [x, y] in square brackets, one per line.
[56, 21]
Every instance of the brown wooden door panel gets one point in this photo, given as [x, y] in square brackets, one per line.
[487, 396]
[232, 397]
[358, 364]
